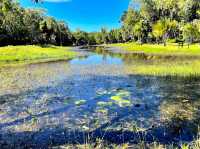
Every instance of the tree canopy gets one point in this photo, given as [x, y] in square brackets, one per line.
[156, 21]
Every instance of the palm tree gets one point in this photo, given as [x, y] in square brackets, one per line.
[189, 33]
[160, 30]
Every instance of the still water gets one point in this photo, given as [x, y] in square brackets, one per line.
[94, 96]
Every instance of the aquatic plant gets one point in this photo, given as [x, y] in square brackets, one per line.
[104, 104]
[121, 98]
[101, 92]
[195, 144]
[80, 102]
[123, 103]
[103, 111]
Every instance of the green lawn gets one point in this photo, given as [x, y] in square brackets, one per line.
[157, 66]
[170, 49]
[34, 54]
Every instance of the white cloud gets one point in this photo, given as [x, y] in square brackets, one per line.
[57, 1]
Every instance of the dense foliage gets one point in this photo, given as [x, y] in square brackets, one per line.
[30, 26]
[153, 21]
[162, 21]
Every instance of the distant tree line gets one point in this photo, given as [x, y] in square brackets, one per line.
[153, 21]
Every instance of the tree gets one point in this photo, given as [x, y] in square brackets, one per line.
[147, 10]
[160, 31]
[81, 37]
[137, 31]
[118, 35]
[104, 35]
[30, 26]
[190, 33]
[98, 38]
[196, 25]
[32, 19]
[190, 10]
[153, 20]
[141, 30]
[49, 28]
[129, 19]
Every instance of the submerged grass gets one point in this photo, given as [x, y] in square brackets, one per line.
[101, 144]
[33, 54]
[190, 69]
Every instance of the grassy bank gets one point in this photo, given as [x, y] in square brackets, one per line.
[157, 66]
[185, 69]
[170, 49]
[33, 54]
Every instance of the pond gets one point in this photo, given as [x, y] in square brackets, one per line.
[95, 96]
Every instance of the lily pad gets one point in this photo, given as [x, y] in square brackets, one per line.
[116, 98]
[85, 128]
[101, 92]
[104, 104]
[104, 111]
[80, 102]
[123, 93]
[124, 103]
[120, 101]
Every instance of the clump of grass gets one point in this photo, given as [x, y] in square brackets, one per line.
[34, 54]
[195, 144]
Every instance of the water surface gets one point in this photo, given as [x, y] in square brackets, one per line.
[95, 95]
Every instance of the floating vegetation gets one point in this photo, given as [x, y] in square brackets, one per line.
[109, 107]
[122, 98]
[103, 111]
[178, 110]
[116, 98]
[67, 100]
[80, 102]
[121, 102]
[2, 112]
[101, 92]
[34, 120]
[104, 104]
[119, 96]
[136, 128]
[85, 128]
[123, 93]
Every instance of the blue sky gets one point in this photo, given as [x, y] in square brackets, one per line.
[88, 15]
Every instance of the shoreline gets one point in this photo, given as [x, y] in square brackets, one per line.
[31, 54]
